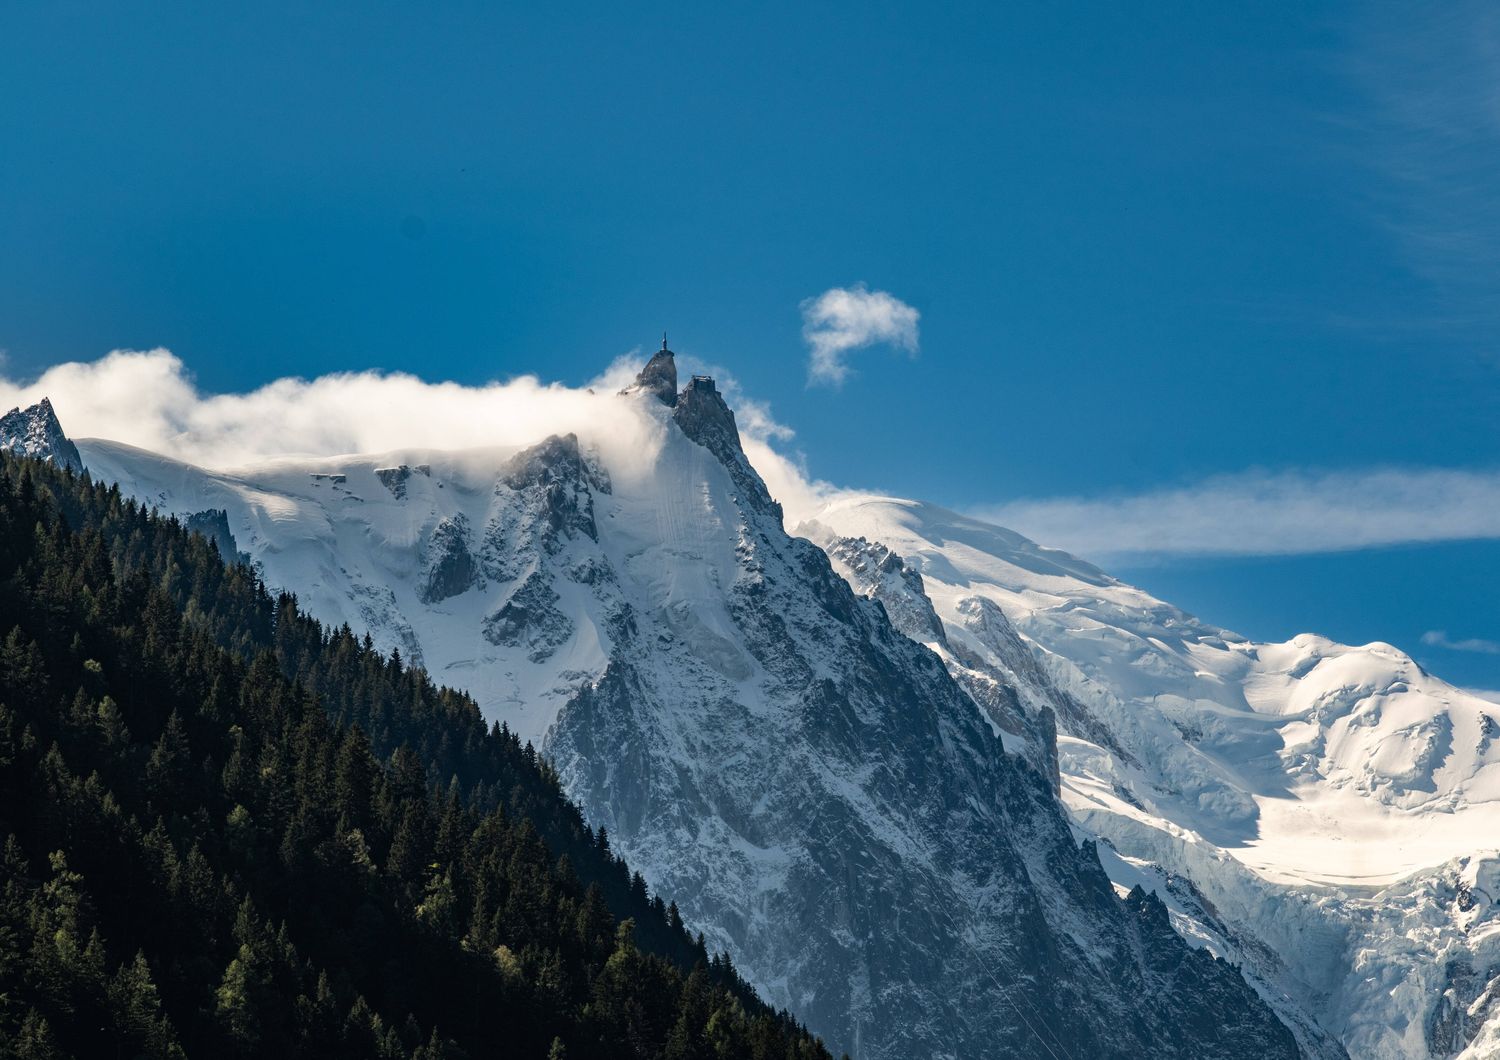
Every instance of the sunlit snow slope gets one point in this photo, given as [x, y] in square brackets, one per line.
[375, 542]
[1325, 814]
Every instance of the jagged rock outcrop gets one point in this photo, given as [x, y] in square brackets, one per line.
[35, 431]
[854, 831]
[877, 572]
[704, 417]
[1280, 798]
[396, 478]
[659, 377]
[556, 483]
[213, 524]
[449, 567]
[880, 574]
[529, 619]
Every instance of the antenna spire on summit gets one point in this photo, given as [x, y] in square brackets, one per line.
[663, 340]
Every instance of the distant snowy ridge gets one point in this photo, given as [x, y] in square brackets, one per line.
[810, 785]
[1325, 815]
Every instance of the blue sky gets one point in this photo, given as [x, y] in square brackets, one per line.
[1150, 249]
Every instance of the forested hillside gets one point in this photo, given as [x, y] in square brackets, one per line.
[229, 831]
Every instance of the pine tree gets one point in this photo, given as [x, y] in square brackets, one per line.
[171, 759]
[136, 1009]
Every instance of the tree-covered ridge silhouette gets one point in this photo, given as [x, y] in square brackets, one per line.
[226, 830]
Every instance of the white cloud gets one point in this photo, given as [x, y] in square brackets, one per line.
[1257, 513]
[1431, 133]
[844, 319]
[1437, 638]
[149, 399]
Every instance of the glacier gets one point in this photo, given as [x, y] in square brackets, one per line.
[1321, 814]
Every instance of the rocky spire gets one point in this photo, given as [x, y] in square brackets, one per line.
[705, 418]
[659, 377]
[35, 432]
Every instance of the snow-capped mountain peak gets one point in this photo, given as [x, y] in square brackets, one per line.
[659, 377]
[811, 786]
[35, 431]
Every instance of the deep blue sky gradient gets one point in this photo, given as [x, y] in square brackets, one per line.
[1148, 245]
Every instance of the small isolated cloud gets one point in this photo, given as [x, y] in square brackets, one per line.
[1437, 638]
[844, 319]
[1267, 514]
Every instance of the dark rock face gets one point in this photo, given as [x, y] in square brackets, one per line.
[214, 525]
[877, 572]
[546, 500]
[558, 480]
[548, 492]
[1452, 1025]
[529, 618]
[396, 478]
[449, 567]
[983, 618]
[705, 418]
[659, 377]
[36, 432]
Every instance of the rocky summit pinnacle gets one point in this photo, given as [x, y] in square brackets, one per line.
[659, 377]
[705, 418]
[35, 432]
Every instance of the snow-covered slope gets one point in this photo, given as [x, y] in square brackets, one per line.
[394, 542]
[1324, 814]
[812, 787]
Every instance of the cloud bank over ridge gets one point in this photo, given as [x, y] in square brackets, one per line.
[149, 399]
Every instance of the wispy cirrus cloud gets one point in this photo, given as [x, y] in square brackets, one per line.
[1438, 638]
[1264, 513]
[1431, 133]
[844, 319]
